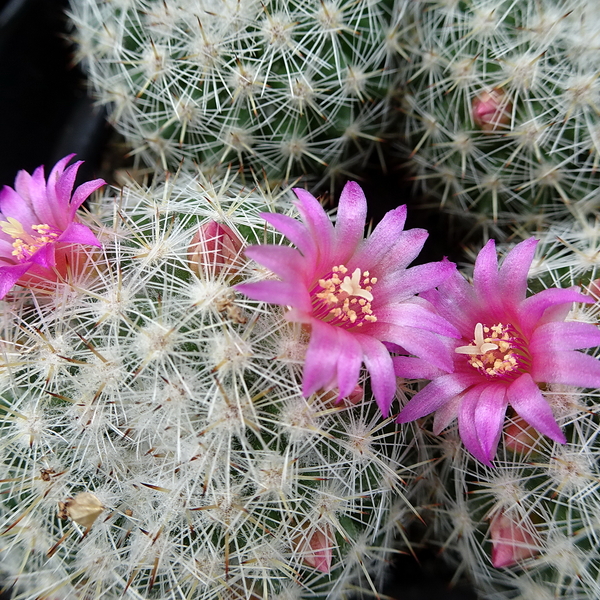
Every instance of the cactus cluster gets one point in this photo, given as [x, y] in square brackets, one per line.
[154, 435]
[527, 528]
[183, 416]
[501, 107]
[283, 87]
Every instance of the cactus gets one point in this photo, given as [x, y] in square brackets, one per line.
[285, 87]
[527, 527]
[501, 102]
[155, 439]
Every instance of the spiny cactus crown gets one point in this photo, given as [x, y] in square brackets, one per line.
[285, 87]
[501, 105]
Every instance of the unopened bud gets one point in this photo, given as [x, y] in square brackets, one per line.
[319, 549]
[331, 396]
[214, 249]
[491, 110]
[520, 437]
[512, 540]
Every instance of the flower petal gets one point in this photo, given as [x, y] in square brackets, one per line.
[383, 238]
[12, 205]
[563, 336]
[467, 427]
[318, 223]
[424, 344]
[413, 281]
[411, 367]
[320, 366]
[529, 403]
[44, 257]
[59, 190]
[568, 367]
[78, 233]
[456, 302]
[514, 271]
[532, 309]
[446, 414]
[415, 315]
[350, 224]
[83, 192]
[284, 261]
[435, 395]
[9, 276]
[485, 276]
[379, 364]
[397, 257]
[489, 416]
[277, 292]
[348, 363]
[295, 231]
[32, 190]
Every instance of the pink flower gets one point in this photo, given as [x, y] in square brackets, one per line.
[354, 293]
[510, 344]
[38, 225]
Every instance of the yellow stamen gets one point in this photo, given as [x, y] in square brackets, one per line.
[345, 302]
[26, 244]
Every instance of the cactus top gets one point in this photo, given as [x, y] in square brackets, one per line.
[510, 344]
[354, 293]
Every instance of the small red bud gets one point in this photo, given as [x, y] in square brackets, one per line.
[320, 549]
[520, 437]
[491, 110]
[331, 396]
[214, 249]
[512, 540]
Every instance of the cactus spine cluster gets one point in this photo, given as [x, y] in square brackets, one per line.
[501, 102]
[282, 87]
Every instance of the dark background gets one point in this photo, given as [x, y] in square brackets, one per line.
[46, 114]
[44, 110]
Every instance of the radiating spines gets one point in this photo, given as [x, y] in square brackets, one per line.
[533, 149]
[286, 87]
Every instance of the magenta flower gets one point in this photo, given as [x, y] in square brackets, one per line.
[354, 293]
[510, 346]
[38, 225]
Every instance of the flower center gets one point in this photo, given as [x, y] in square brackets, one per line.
[496, 351]
[344, 300]
[26, 244]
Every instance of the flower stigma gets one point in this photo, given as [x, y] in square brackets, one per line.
[495, 351]
[347, 301]
[26, 244]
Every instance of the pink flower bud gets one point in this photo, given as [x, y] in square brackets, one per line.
[512, 540]
[319, 551]
[520, 437]
[215, 248]
[355, 396]
[491, 110]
